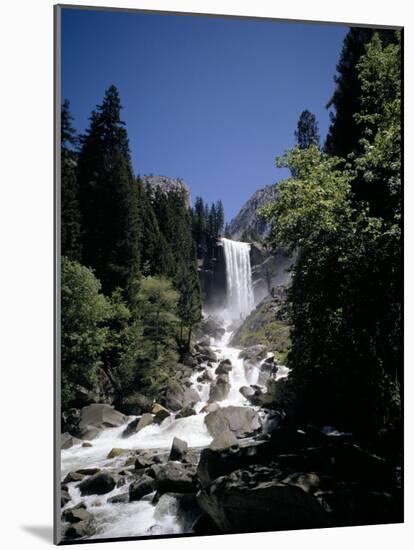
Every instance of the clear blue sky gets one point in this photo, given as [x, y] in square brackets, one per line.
[210, 100]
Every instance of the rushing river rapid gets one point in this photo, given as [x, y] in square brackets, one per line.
[142, 517]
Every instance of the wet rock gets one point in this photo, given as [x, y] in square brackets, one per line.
[144, 460]
[266, 371]
[220, 390]
[254, 353]
[64, 498]
[210, 327]
[119, 499]
[90, 432]
[137, 424]
[182, 506]
[247, 391]
[242, 421]
[179, 449]
[73, 476]
[224, 441]
[116, 451]
[210, 407]
[68, 441]
[87, 444]
[135, 404]
[88, 471]
[100, 416]
[224, 367]
[76, 513]
[70, 420]
[97, 484]
[174, 477]
[206, 376]
[160, 413]
[179, 396]
[144, 486]
[186, 411]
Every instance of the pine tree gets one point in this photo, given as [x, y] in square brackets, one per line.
[220, 217]
[70, 213]
[344, 134]
[109, 198]
[307, 132]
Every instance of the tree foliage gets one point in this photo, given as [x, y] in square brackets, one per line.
[345, 297]
[307, 131]
[85, 311]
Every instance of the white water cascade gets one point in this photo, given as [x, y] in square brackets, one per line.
[240, 300]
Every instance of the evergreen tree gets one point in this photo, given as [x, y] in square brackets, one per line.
[344, 133]
[70, 213]
[109, 198]
[307, 132]
[220, 217]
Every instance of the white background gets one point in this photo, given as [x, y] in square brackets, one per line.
[26, 252]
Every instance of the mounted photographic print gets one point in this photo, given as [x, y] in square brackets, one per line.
[229, 275]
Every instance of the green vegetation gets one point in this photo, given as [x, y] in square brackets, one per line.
[345, 297]
[266, 325]
[130, 251]
[85, 311]
[307, 131]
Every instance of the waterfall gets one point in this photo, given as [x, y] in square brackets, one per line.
[240, 299]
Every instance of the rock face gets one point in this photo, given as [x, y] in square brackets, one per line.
[241, 421]
[256, 499]
[167, 185]
[247, 220]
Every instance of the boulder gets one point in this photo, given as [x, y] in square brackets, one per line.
[186, 411]
[161, 414]
[70, 420]
[73, 476]
[68, 441]
[116, 451]
[119, 499]
[220, 389]
[144, 460]
[90, 432]
[100, 416]
[224, 367]
[179, 396]
[144, 486]
[174, 477]
[224, 441]
[135, 404]
[98, 484]
[256, 499]
[206, 376]
[210, 406]
[87, 444]
[247, 391]
[88, 471]
[242, 421]
[80, 529]
[76, 513]
[137, 424]
[64, 498]
[254, 353]
[179, 449]
[266, 371]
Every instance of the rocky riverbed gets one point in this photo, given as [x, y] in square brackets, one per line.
[216, 456]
